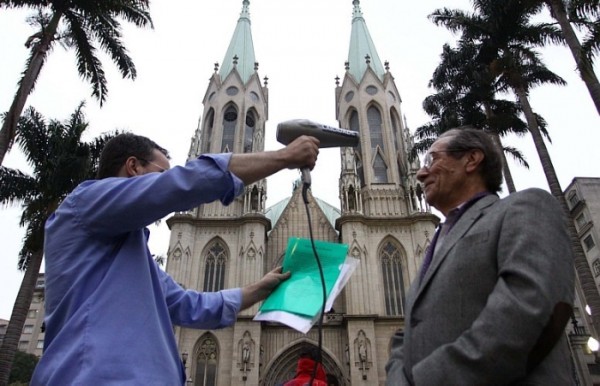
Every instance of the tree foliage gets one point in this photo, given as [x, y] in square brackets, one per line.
[59, 161]
[22, 368]
[84, 26]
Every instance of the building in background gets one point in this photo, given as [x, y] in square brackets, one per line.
[32, 337]
[382, 217]
[583, 199]
[3, 326]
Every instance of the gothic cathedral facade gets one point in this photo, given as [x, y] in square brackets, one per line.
[381, 217]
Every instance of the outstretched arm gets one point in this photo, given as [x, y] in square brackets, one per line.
[251, 167]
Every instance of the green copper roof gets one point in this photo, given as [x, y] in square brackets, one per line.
[274, 212]
[241, 48]
[362, 45]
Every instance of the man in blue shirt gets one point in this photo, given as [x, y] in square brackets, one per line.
[110, 310]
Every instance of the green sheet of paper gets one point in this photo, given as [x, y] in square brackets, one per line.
[302, 293]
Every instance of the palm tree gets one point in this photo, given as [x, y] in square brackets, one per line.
[60, 161]
[466, 92]
[507, 40]
[580, 13]
[76, 24]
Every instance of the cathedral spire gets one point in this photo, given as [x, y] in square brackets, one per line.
[362, 53]
[240, 54]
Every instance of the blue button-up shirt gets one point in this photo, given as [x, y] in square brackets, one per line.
[110, 310]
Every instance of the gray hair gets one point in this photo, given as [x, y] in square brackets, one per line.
[468, 138]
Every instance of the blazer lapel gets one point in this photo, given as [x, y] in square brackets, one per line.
[464, 223]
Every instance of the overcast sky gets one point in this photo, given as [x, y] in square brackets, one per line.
[301, 47]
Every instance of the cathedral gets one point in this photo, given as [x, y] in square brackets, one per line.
[381, 217]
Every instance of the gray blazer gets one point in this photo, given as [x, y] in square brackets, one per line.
[491, 288]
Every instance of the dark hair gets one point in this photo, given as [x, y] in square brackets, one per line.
[118, 149]
[468, 138]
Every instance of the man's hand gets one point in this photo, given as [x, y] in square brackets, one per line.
[258, 291]
[302, 152]
[251, 167]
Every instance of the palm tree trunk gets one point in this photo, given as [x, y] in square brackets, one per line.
[510, 184]
[582, 267]
[584, 66]
[38, 57]
[19, 315]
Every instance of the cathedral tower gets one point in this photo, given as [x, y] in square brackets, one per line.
[381, 217]
[213, 247]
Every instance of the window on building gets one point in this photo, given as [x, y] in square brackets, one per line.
[596, 267]
[32, 314]
[380, 169]
[249, 132]
[375, 127]
[229, 123]
[23, 345]
[377, 144]
[573, 199]
[40, 344]
[254, 199]
[588, 241]
[214, 269]
[28, 329]
[393, 281]
[355, 126]
[208, 131]
[207, 363]
[580, 221]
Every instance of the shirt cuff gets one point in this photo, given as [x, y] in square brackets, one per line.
[222, 162]
[232, 303]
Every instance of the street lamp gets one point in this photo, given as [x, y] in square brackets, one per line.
[184, 357]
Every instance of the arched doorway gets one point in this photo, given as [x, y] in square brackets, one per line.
[283, 367]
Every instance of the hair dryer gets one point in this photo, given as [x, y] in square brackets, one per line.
[328, 137]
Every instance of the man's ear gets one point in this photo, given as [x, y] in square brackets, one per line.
[474, 159]
[131, 167]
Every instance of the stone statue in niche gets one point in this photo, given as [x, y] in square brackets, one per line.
[362, 350]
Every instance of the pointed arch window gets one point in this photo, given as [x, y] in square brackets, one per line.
[214, 269]
[375, 123]
[393, 282]
[351, 199]
[375, 129]
[395, 127]
[380, 169]
[229, 122]
[208, 128]
[354, 125]
[254, 199]
[207, 363]
[249, 132]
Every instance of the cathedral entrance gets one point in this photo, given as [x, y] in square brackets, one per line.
[283, 367]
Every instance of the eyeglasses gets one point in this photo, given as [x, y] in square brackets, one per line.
[428, 159]
[161, 169]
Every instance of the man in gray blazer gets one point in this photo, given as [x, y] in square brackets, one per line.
[495, 291]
